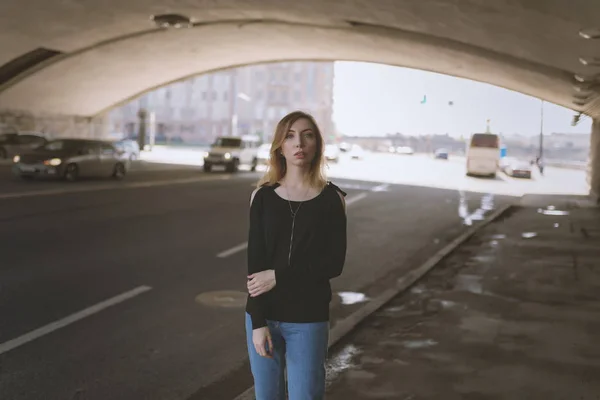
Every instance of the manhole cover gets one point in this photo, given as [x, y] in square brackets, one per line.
[223, 298]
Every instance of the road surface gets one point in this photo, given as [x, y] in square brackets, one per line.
[135, 289]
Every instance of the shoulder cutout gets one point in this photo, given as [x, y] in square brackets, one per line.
[254, 194]
[340, 191]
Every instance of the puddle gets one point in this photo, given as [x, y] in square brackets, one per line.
[417, 289]
[499, 237]
[469, 283]
[419, 344]
[448, 303]
[552, 211]
[341, 361]
[349, 298]
[556, 225]
[486, 204]
[528, 235]
[484, 259]
[494, 243]
[223, 298]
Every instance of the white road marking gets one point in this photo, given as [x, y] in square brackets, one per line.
[244, 246]
[132, 185]
[380, 188]
[53, 326]
[356, 198]
[233, 250]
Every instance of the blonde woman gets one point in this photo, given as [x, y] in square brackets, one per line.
[297, 243]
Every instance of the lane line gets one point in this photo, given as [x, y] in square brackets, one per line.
[381, 188]
[244, 246]
[61, 323]
[356, 198]
[132, 185]
[233, 250]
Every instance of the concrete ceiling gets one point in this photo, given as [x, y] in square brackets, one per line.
[111, 51]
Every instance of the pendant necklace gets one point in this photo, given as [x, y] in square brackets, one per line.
[293, 214]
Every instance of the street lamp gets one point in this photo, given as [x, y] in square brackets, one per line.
[234, 117]
[541, 152]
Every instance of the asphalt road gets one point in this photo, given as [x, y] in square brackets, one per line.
[99, 280]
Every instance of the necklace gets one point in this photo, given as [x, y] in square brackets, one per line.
[293, 214]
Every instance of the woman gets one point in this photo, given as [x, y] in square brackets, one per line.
[297, 243]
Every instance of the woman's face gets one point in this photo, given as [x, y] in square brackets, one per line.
[300, 144]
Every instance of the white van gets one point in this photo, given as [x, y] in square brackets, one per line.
[483, 154]
[233, 152]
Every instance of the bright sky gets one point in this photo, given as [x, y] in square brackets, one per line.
[375, 99]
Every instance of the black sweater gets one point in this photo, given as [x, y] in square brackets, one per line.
[302, 292]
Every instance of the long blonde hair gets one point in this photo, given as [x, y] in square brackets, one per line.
[277, 167]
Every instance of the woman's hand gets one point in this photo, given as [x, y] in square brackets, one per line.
[261, 282]
[263, 343]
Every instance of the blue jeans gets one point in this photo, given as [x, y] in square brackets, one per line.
[301, 348]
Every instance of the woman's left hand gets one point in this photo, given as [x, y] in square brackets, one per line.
[261, 282]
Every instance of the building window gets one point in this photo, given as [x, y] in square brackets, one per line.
[298, 76]
[284, 96]
[204, 96]
[271, 95]
[297, 95]
[214, 95]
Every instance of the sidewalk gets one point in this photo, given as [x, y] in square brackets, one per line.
[514, 313]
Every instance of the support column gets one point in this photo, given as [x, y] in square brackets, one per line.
[594, 166]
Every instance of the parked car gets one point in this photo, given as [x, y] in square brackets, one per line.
[441, 154]
[71, 159]
[12, 144]
[518, 169]
[405, 150]
[232, 152]
[332, 153]
[357, 152]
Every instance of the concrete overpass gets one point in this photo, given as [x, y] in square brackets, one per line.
[64, 64]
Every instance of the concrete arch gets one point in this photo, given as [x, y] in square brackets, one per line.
[93, 79]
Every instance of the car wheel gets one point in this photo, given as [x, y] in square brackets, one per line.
[233, 166]
[71, 172]
[119, 171]
[207, 167]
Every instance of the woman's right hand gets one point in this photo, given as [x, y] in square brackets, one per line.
[263, 343]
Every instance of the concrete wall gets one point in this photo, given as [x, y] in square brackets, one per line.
[594, 169]
[54, 126]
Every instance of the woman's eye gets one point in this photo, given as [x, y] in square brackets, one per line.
[289, 136]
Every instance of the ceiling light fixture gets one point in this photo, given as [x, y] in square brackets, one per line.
[171, 21]
[591, 33]
[590, 61]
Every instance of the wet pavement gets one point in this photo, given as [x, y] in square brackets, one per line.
[514, 313]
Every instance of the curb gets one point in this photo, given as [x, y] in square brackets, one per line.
[346, 325]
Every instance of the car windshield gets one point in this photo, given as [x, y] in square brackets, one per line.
[228, 142]
[486, 140]
[58, 145]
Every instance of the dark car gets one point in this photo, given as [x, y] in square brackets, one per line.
[71, 159]
[441, 154]
[12, 144]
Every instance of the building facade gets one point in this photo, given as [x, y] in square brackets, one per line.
[241, 101]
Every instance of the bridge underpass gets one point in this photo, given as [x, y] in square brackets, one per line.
[64, 66]
[151, 259]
